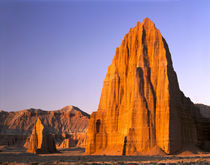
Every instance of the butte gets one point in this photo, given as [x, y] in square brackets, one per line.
[142, 108]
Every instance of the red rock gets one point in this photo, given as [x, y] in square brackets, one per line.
[141, 106]
[41, 141]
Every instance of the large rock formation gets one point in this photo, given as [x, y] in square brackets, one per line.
[141, 106]
[41, 141]
[70, 121]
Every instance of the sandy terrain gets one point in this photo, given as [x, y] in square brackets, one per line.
[76, 156]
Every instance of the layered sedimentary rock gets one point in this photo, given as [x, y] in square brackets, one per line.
[16, 127]
[141, 106]
[41, 141]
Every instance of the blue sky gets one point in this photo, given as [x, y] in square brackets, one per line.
[56, 53]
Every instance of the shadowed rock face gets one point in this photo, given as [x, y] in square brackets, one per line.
[204, 110]
[141, 105]
[41, 141]
[203, 123]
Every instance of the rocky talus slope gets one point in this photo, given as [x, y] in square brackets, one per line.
[142, 108]
[68, 123]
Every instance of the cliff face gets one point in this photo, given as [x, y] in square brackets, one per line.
[15, 127]
[141, 105]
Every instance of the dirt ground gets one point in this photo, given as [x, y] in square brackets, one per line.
[11, 155]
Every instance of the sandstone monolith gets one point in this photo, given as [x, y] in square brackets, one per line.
[141, 106]
[41, 141]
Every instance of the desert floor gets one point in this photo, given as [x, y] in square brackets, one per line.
[14, 155]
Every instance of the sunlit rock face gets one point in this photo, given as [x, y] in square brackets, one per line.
[41, 141]
[141, 106]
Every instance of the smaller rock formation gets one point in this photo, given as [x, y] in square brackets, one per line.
[72, 140]
[41, 141]
[65, 144]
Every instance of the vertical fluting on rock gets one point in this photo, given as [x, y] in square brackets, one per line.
[141, 100]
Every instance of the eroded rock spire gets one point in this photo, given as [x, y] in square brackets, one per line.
[41, 141]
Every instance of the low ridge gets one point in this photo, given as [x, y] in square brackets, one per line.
[68, 123]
